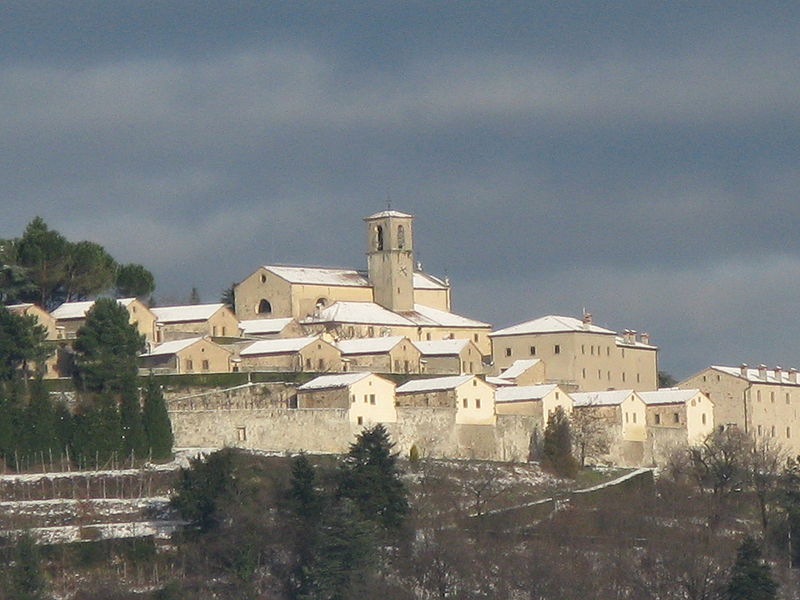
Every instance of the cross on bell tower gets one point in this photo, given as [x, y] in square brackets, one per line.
[390, 259]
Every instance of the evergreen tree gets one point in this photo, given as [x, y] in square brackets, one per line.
[370, 478]
[134, 281]
[63, 425]
[97, 430]
[228, 296]
[106, 348]
[89, 270]
[194, 296]
[751, 579]
[22, 341]
[26, 581]
[305, 500]
[203, 487]
[45, 254]
[157, 427]
[557, 445]
[132, 430]
[344, 551]
[40, 423]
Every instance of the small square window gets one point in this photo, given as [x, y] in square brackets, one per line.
[464, 402]
[360, 420]
[658, 419]
[508, 351]
[557, 349]
[533, 350]
[676, 418]
[372, 398]
[241, 434]
[477, 402]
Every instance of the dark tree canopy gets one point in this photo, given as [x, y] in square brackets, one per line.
[106, 348]
[371, 479]
[134, 281]
[203, 487]
[751, 579]
[157, 427]
[557, 445]
[22, 340]
[89, 270]
[45, 254]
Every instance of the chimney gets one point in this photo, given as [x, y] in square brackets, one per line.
[631, 336]
[743, 370]
[778, 374]
[793, 375]
[587, 318]
[645, 338]
[762, 371]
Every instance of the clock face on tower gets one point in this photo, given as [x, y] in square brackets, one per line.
[404, 271]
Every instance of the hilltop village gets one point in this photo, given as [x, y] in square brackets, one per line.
[382, 345]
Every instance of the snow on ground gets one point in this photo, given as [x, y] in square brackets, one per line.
[65, 534]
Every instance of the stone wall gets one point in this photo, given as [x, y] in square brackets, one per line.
[247, 396]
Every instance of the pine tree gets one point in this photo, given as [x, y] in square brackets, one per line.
[106, 348]
[344, 551]
[132, 430]
[370, 478]
[155, 418]
[194, 296]
[557, 446]
[751, 579]
[40, 422]
[305, 500]
[97, 432]
[203, 487]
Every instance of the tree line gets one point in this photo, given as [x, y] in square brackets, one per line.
[112, 417]
[44, 267]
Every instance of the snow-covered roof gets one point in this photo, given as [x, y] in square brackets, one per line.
[371, 345]
[441, 347]
[263, 326]
[189, 312]
[634, 344]
[552, 324]
[18, 308]
[498, 382]
[172, 347]
[426, 316]
[521, 393]
[367, 313]
[344, 277]
[78, 310]
[518, 367]
[606, 398]
[327, 382]
[279, 346]
[668, 396]
[754, 376]
[433, 384]
[387, 213]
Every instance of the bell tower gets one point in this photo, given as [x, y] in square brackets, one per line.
[390, 259]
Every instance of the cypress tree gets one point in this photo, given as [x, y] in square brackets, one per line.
[97, 430]
[40, 422]
[132, 430]
[751, 579]
[155, 418]
[305, 500]
[370, 478]
[557, 446]
[26, 579]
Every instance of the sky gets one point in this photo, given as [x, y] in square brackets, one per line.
[638, 160]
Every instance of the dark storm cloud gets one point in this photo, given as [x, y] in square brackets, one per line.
[640, 162]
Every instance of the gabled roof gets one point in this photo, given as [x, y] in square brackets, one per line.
[388, 213]
[668, 396]
[344, 277]
[78, 310]
[172, 347]
[441, 347]
[426, 316]
[434, 384]
[552, 324]
[372, 345]
[19, 308]
[186, 313]
[498, 382]
[328, 382]
[263, 326]
[366, 313]
[518, 367]
[521, 393]
[753, 375]
[279, 346]
[606, 398]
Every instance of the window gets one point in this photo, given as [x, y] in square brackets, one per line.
[634, 417]
[401, 237]
[703, 418]
[188, 365]
[321, 364]
[205, 365]
[758, 429]
[638, 379]
[213, 330]
[371, 331]
[372, 399]
[223, 331]
[464, 402]
[658, 419]
[475, 337]
[583, 349]
[556, 395]
[608, 350]
[623, 376]
[599, 374]
[508, 351]
[360, 420]
[264, 307]
[471, 367]
[321, 302]
[557, 349]
[474, 383]
[787, 397]
[428, 336]
[396, 366]
[608, 374]
[676, 418]
[353, 398]
[626, 417]
[263, 278]
[591, 349]
[583, 373]
[758, 396]
[477, 402]
[366, 398]
[379, 238]
[772, 397]
[308, 364]
[773, 431]
[533, 350]
[241, 434]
